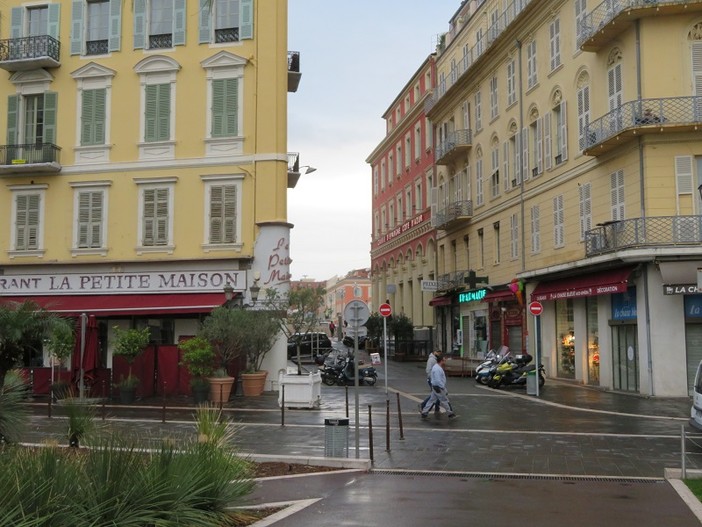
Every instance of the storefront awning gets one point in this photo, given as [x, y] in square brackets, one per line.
[499, 296]
[441, 300]
[602, 283]
[114, 305]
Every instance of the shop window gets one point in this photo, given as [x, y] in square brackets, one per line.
[566, 339]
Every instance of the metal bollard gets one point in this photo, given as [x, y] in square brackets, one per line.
[387, 425]
[51, 396]
[103, 400]
[683, 468]
[221, 397]
[370, 432]
[163, 415]
[282, 406]
[399, 417]
[347, 401]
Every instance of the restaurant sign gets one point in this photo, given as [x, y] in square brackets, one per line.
[420, 218]
[121, 283]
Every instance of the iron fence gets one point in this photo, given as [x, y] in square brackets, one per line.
[454, 139]
[644, 232]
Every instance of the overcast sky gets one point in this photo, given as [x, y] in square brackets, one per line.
[355, 57]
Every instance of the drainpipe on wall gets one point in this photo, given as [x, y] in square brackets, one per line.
[521, 127]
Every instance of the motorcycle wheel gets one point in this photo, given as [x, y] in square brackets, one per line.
[542, 380]
[329, 381]
[370, 381]
[492, 383]
[482, 379]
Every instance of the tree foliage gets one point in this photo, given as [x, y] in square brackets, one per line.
[401, 327]
[23, 328]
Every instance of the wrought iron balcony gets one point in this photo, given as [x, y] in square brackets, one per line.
[636, 233]
[612, 17]
[163, 41]
[294, 74]
[225, 35]
[453, 214]
[455, 280]
[471, 56]
[456, 143]
[643, 116]
[32, 158]
[97, 47]
[28, 53]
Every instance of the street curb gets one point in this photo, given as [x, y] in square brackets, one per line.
[336, 462]
[672, 476]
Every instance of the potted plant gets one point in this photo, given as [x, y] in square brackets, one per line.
[199, 358]
[262, 333]
[129, 344]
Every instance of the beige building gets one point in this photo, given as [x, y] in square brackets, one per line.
[145, 169]
[566, 143]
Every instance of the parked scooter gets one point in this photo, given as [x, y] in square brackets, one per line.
[366, 375]
[485, 370]
[515, 372]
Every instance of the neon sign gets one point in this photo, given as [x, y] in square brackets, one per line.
[472, 296]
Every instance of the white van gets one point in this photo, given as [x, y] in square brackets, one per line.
[696, 411]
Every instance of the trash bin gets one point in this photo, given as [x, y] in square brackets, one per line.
[531, 382]
[336, 438]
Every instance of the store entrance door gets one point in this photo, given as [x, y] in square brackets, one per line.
[625, 358]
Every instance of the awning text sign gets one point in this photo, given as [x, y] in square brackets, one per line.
[121, 283]
[580, 292]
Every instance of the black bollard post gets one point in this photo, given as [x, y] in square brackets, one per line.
[347, 401]
[163, 415]
[399, 417]
[282, 406]
[387, 425]
[51, 396]
[370, 433]
[221, 398]
[103, 400]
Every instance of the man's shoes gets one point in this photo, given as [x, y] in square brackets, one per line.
[424, 416]
[452, 416]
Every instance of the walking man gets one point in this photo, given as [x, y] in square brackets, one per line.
[433, 359]
[439, 392]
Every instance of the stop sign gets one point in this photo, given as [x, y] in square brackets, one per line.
[536, 308]
[385, 310]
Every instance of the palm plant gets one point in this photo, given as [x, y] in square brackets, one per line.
[13, 414]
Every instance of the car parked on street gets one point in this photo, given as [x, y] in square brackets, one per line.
[310, 343]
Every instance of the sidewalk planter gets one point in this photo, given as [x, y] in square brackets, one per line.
[301, 391]
[220, 389]
[253, 383]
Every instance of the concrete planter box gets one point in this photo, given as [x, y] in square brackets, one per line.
[301, 391]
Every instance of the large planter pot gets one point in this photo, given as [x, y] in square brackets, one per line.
[220, 389]
[253, 383]
[127, 395]
[201, 393]
[301, 391]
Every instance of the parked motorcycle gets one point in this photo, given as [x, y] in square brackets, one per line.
[366, 375]
[485, 370]
[514, 372]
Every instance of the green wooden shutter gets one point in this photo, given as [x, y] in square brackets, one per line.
[96, 199]
[50, 102]
[12, 109]
[93, 117]
[99, 116]
[90, 219]
[83, 219]
[16, 22]
[229, 217]
[232, 106]
[54, 20]
[225, 106]
[158, 112]
[77, 27]
[115, 31]
[139, 23]
[218, 124]
[162, 216]
[223, 214]
[149, 213]
[216, 208]
[246, 16]
[204, 19]
[27, 222]
[179, 22]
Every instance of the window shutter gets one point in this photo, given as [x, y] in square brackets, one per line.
[164, 112]
[50, 102]
[99, 116]
[157, 112]
[96, 219]
[246, 21]
[434, 206]
[229, 214]
[115, 31]
[216, 214]
[54, 20]
[547, 139]
[479, 182]
[506, 181]
[218, 118]
[27, 222]
[84, 203]
[617, 194]
[12, 109]
[21, 222]
[539, 145]
[564, 132]
[162, 216]
[139, 23]
[535, 229]
[518, 158]
[683, 174]
[150, 112]
[205, 21]
[525, 153]
[77, 27]
[87, 133]
[149, 214]
[585, 191]
[179, 22]
[16, 22]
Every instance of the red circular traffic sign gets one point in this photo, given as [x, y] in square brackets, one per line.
[385, 310]
[536, 308]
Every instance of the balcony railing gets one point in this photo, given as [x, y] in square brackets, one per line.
[294, 74]
[29, 53]
[163, 41]
[224, 35]
[481, 46]
[643, 116]
[611, 17]
[661, 231]
[458, 211]
[38, 157]
[455, 143]
[455, 280]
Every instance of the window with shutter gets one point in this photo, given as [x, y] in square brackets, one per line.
[157, 117]
[155, 217]
[583, 115]
[479, 182]
[90, 213]
[27, 222]
[222, 21]
[558, 222]
[535, 229]
[617, 194]
[93, 117]
[585, 195]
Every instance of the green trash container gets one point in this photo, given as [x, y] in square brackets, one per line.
[531, 382]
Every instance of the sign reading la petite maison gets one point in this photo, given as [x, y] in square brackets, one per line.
[116, 283]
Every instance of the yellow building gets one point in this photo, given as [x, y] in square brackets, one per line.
[145, 167]
[570, 128]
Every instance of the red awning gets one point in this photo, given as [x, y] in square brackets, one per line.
[602, 283]
[112, 305]
[441, 300]
[499, 296]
